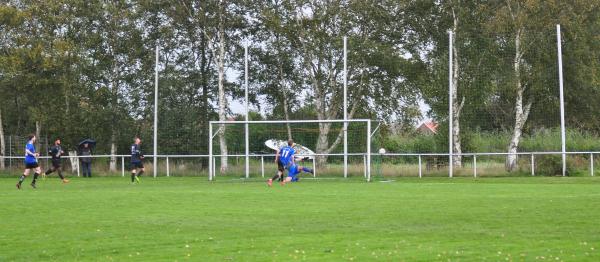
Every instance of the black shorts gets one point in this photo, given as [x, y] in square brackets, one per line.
[135, 165]
[56, 164]
[281, 167]
[30, 166]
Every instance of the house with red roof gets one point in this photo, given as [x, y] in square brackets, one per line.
[428, 128]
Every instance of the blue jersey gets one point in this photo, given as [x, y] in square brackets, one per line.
[286, 155]
[30, 158]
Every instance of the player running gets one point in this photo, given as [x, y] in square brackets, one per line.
[284, 159]
[56, 152]
[294, 171]
[31, 162]
[137, 164]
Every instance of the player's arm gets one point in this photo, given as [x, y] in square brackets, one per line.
[29, 153]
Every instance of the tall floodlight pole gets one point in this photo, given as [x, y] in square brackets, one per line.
[246, 107]
[345, 108]
[154, 164]
[450, 113]
[562, 103]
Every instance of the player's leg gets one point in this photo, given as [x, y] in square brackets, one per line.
[22, 178]
[37, 170]
[139, 172]
[133, 172]
[49, 171]
[278, 175]
[306, 170]
[58, 170]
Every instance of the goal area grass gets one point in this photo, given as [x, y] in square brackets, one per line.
[408, 219]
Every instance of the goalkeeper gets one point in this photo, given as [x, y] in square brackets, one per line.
[293, 172]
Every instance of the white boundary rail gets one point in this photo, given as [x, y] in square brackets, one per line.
[366, 156]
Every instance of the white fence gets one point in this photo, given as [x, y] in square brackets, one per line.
[122, 161]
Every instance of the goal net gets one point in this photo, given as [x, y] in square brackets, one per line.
[247, 148]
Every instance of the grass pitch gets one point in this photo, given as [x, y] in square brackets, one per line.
[191, 219]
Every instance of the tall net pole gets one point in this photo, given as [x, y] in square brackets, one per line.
[562, 102]
[450, 112]
[246, 107]
[154, 164]
[345, 108]
[210, 153]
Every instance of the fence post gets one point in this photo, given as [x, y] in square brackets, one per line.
[123, 166]
[10, 152]
[420, 168]
[168, 169]
[474, 165]
[78, 164]
[262, 166]
[532, 165]
[592, 164]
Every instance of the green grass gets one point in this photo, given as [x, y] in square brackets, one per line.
[410, 219]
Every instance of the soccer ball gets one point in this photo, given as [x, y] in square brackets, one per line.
[382, 150]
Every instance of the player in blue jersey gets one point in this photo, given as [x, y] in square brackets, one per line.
[284, 159]
[137, 164]
[294, 171]
[31, 162]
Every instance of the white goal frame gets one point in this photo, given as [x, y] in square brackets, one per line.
[211, 135]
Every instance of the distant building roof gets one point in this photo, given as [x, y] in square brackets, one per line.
[428, 127]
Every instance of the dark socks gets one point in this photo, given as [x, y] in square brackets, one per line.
[49, 171]
[60, 175]
[21, 179]
[275, 177]
[132, 177]
[35, 176]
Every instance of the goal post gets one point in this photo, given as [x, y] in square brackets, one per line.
[244, 141]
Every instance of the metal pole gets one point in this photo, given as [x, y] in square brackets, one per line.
[562, 103]
[246, 106]
[154, 164]
[262, 166]
[210, 150]
[420, 168]
[314, 168]
[369, 151]
[450, 113]
[123, 166]
[592, 164]
[474, 166]
[78, 163]
[532, 165]
[345, 108]
[365, 166]
[168, 169]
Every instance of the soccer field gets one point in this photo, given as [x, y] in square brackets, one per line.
[191, 219]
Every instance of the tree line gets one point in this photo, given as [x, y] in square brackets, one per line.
[78, 69]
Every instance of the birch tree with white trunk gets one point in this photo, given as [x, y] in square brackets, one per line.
[521, 106]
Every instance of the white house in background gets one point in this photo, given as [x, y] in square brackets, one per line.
[428, 128]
